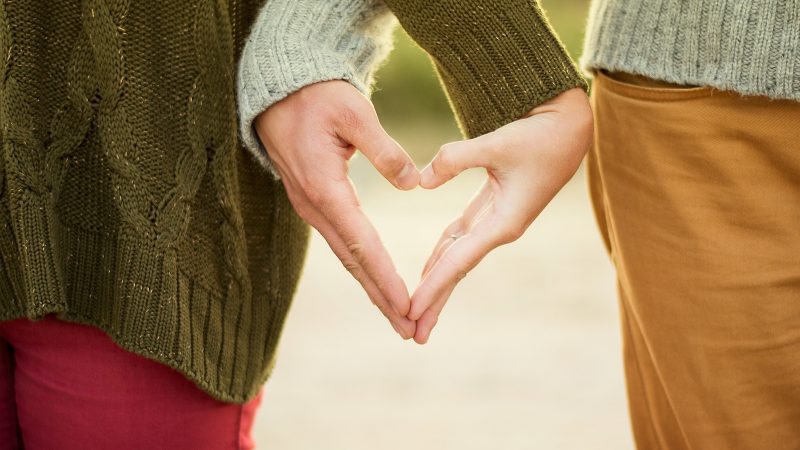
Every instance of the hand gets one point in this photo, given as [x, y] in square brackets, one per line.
[310, 137]
[527, 162]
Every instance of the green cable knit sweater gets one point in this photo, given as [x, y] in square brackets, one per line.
[127, 199]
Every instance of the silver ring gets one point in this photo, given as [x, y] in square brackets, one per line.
[454, 237]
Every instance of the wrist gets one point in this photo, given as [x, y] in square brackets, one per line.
[298, 43]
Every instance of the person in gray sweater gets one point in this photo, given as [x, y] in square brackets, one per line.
[695, 180]
[752, 48]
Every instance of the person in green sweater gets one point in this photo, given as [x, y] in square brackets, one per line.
[148, 252]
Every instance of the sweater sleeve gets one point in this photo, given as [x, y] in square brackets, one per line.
[295, 43]
[497, 59]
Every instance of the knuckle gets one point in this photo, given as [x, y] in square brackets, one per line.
[511, 234]
[446, 160]
[352, 267]
[319, 196]
[460, 270]
[389, 161]
[351, 118]
[357, 249]
[315, 196]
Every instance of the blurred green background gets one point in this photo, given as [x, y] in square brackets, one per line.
[411, 102]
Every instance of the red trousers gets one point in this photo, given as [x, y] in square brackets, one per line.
[67, 386]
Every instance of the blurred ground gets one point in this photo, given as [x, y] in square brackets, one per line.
[527, 352]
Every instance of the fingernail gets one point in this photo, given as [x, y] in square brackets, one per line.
[426, 177]
[408, 177]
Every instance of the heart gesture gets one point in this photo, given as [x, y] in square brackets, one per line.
[311, 135]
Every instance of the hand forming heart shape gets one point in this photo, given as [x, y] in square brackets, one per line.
[310, 136]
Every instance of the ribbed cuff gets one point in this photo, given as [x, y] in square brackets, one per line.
[498, 59]
[752, 48]
[295, 43]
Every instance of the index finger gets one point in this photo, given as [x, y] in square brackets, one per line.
[401, 324]
[361, 127]
[453, 265]
[362, 240]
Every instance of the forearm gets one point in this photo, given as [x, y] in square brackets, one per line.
[295, 43]
[498, 59]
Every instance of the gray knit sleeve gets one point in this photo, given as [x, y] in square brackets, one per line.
[294, 43]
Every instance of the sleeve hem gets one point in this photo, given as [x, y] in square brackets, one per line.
[496, 59]
[523, 106]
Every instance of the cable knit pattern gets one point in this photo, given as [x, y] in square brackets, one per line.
[751, 47]
[300, 42]
[127, 199]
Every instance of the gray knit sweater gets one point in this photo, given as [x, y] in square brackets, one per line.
[748, 46]
[295, 43]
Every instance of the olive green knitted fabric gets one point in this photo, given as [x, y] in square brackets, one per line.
[497, 59]
[127, 201]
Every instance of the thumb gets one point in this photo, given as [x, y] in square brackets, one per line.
[361, 128]
[456, 157]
